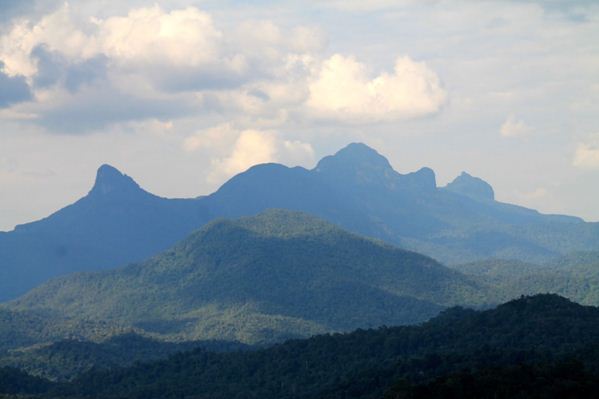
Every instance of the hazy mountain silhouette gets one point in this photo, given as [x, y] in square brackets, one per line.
[118, 222]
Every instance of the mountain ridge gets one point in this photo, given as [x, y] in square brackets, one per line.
[118, 222]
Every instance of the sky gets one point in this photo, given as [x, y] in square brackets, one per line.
[181, 95]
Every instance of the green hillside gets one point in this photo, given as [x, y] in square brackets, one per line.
[575, 276]
[65, 359]
[260, 279]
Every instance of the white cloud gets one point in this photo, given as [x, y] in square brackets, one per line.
[252, 147]
[145, 35]
[151, 35]
[148, 55]
[344, 90]
[586, 156]
[57, 31]
[513, 127]
[297, 153]
[242, 149]
[209, 138]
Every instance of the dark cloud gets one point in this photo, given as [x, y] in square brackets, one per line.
[50, 66]
[99, 107]
[12, 89]
[10, 9]
[54, 68]
[86, 72]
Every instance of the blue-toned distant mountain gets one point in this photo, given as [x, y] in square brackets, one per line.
[118, 222]
[358, 189]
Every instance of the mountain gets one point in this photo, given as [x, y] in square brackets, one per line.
[358, 189]
[116, 223]
[541, 336]
[277, 275]
[472, 187]
[119, 223]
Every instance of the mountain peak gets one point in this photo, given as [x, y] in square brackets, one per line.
[356, 160]
[473, 187]
[360, 153]
[422, 179]
[110, 180]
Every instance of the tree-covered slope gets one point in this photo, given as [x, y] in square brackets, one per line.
[68, 358]
[20, 329]
[278, 275]
[531, 334]
[575, 276]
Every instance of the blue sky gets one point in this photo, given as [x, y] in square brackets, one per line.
[182, 94]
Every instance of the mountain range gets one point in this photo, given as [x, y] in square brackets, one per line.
[118, 222]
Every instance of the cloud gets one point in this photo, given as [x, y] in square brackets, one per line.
[362, 5]
[54, 68]
[13, 89]
[151, 35]
[220, 135]
[251, 148]
[513, 127]
[149, 56]
[242, 149]
[94, 108]
[343, 90]
[16, 8]
[586, 156]
[146, 40]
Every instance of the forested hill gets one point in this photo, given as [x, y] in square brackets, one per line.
[575, 276]
[260, 279]
[118, 222]
[535, 333]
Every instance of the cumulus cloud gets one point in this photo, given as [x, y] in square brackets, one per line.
[513, 127]
[343, 89]
[251, 148]
[150, 53]
[154, 63]
[241, 149]
[146, 40]
[13, 89]
[57, 31]
[586, 156]
[151, 35]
